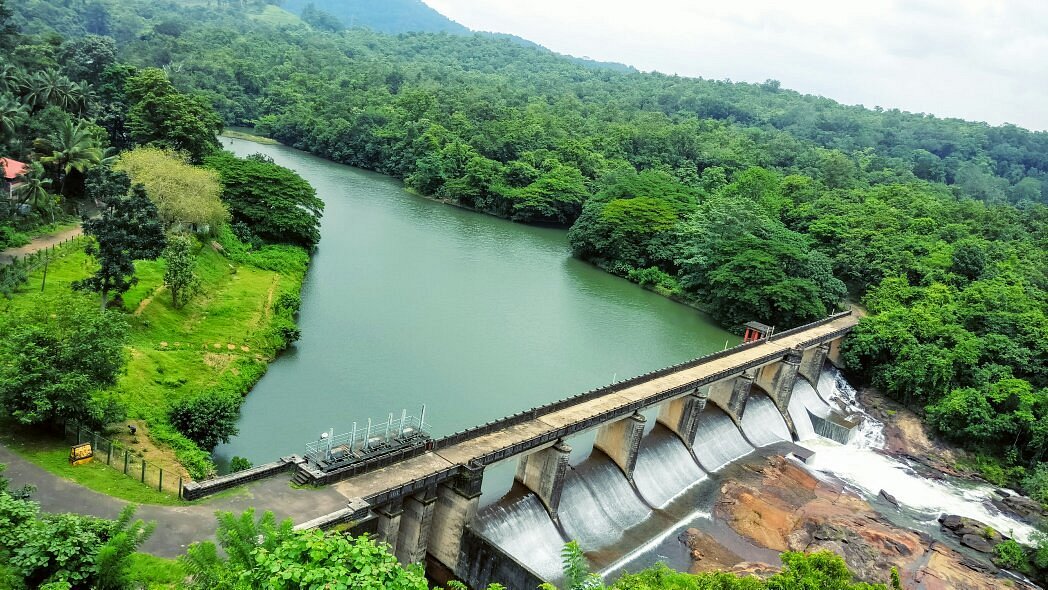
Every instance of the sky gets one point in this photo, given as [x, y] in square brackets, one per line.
[980, 60]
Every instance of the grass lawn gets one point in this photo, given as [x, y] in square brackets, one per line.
[155, 573]
[220, 336]
[52, 454]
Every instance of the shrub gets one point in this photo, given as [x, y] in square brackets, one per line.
[1011, 555]
[239, 464]
[1036, 484]
[207, 419]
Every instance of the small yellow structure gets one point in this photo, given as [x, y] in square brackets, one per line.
[80, 454]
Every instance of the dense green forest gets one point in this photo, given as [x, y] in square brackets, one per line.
[753, 201]
[749, 200]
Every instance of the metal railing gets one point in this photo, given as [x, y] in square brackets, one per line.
[359, 443]
[16, 271]
[119, 456]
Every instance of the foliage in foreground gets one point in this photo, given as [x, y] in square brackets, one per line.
[64, 551]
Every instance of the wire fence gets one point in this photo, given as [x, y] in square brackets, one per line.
[115, 454]
[15, 271]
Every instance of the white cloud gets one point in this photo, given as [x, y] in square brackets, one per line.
[975, 59]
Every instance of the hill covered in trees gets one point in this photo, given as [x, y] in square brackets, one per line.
[750, 200]
[388, 16]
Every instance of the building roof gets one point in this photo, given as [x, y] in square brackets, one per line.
[13, 168]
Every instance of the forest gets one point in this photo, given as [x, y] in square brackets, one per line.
[750, 201]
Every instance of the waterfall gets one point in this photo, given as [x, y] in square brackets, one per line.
[522, 528]
[718, 441]
[598, 504]
[665, 468]
[861, 465]
[762, 422]
[805, 399]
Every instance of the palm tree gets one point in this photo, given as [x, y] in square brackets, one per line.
[48, 87]
[72, 148]
[12, 79]
[12, 112]
[32, 190]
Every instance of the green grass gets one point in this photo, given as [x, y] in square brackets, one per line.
[52, 454]
[249, 137]
[276, 16]
[155, 573]
[220, 338]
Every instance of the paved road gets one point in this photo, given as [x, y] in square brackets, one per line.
[177, 526]
[8, 256]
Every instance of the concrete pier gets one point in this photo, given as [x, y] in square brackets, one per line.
[543, 472]
[681, 415]
[778, 380]
[813, 360]
[388, 524]
[731, 395]
[457, 504]
[416, 522]
[620, 441]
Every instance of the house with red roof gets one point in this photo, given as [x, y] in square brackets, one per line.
[11, 170]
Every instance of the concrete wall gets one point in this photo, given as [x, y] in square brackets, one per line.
[730, 395]
[484, 563]
[195, 490]
[544, 472]
[620, 440]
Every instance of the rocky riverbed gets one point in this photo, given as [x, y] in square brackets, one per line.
[779, 505]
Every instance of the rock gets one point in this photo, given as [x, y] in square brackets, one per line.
[1002, 493]
[978, 543]
[889, 498]
[1025, 507]
[829, 532]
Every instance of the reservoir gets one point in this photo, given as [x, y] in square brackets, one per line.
[409, 301]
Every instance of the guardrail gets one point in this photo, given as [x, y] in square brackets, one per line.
[528, 415]
[194, 490]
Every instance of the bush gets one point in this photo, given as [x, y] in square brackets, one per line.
[197, 462]
[1035, 484]
[9, 238]
[239, 464]
[207, 419]
[288, 301]
[1011, 555]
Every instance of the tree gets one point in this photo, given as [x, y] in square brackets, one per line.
[163, 117]
[274, 202]
[207, 419]
[186, 197]
[264, 554]
[73, 148]
[179, 275]
[8, 30]
[12, 114]
[55, 356]
[32, 190]
[127, 230]
[66, 550]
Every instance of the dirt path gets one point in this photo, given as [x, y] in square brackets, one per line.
[8, 256]
[177, 526]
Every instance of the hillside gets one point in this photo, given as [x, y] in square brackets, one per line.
[388, 16]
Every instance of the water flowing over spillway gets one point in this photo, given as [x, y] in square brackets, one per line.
[665, 468]
[523, 529]
[598, 504]
[718, 441]
[762, 421]
[860, 465]
[805, 399]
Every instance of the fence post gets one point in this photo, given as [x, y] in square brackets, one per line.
[160, 485]
[125, 461]
[109, 454]
[143, 471]
[179, 487]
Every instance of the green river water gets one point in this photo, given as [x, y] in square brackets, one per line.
[410, 302]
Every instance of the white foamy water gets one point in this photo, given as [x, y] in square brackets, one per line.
[805, 398]
[523, 529]
[665, 468]
[718, 441]
[597, 505]
[762, 421]
[861, 466]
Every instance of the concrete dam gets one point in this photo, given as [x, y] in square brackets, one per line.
[653, 437]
